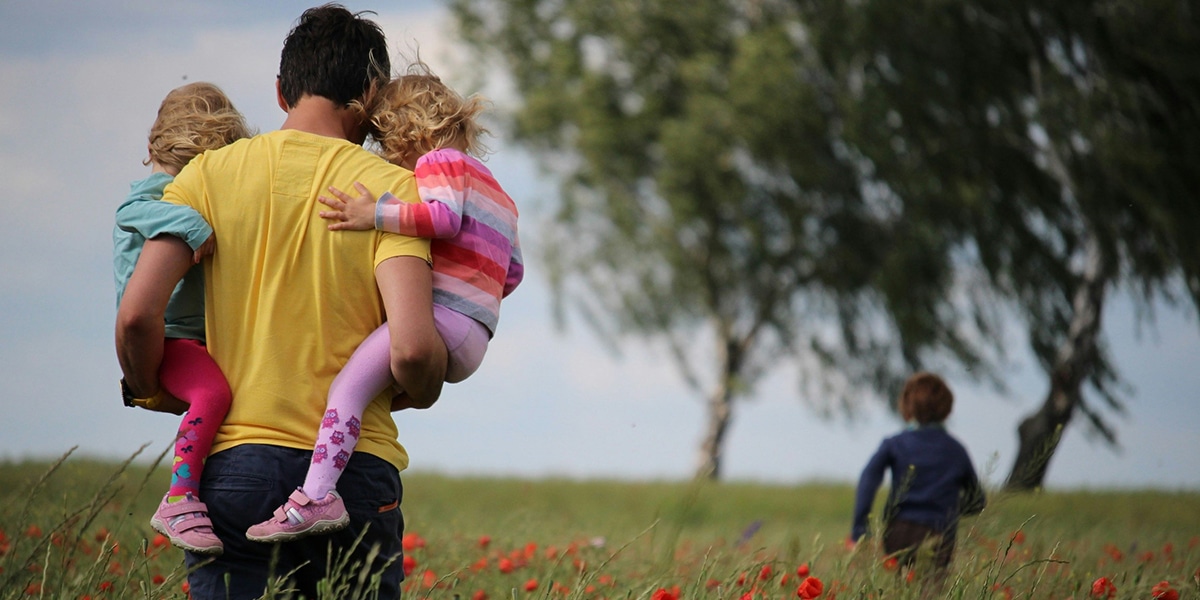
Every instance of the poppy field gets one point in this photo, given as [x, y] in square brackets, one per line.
[77, 529]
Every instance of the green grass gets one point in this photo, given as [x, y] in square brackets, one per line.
[78, 529]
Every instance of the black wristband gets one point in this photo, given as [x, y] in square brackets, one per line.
[126, 395]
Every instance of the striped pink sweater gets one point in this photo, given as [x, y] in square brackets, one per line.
[473, 224]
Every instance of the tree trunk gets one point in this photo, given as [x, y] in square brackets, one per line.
[720, 413]
[1039, 433]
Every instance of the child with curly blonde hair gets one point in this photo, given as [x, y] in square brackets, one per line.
[422, 125]
[191, 119]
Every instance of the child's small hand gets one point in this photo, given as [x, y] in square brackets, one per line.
[205, 249]
[355, 213]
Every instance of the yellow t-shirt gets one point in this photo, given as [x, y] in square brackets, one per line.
[287, 301]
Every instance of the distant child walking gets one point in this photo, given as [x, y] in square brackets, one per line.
[421, 125]
[932, 480]
[192, 118]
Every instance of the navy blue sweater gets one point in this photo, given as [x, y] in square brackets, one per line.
[932, 480]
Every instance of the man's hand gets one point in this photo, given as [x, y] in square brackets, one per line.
[403, 401]
[354, 213]
[205, 249]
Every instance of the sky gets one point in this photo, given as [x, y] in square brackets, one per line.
[79, 87]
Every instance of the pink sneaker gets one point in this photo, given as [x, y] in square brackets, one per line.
[302, 516]
[187, 525]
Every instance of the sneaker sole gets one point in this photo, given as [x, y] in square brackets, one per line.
[161, 527]
[317, 528]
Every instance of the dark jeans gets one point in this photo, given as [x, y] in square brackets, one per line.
[902, 538]
[244, 485]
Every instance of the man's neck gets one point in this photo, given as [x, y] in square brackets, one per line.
[321, 116]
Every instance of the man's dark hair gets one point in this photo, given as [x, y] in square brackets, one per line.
[332, 53]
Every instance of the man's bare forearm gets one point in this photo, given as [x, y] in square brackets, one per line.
[418, 355]
[140, 327]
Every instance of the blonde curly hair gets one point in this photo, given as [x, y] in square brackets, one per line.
[416, 113]
[194, 118]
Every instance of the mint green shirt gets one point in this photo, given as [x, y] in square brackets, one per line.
[143, 216]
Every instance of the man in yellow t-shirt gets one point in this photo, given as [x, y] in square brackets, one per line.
[287, 302]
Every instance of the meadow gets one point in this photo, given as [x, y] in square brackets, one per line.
[77, 529]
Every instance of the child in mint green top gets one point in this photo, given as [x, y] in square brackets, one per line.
[192, 118]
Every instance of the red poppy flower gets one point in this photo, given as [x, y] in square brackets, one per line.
[479, 595]
[1103, 588]
[157, 579]
[160, 541]
[1163, 591]
[484, 541]
[802, 570]
[765, 573]
[412, 541]
[1018, 537]
[810, 588]
[664, 594]
[505, 565]
[409, 564]
[890, 563]
[531, 585]
[428, 578]
[33, 531]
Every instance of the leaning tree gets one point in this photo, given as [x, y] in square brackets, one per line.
[857, 184]
[1060, 140]
[710, 201]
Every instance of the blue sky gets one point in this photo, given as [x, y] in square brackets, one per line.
[81, 83]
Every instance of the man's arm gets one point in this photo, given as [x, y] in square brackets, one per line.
[418, 353]
[163, 262]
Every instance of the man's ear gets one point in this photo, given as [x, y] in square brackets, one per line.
[279, 96]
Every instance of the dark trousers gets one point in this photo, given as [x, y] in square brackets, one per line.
[902, 538]
[244, 485]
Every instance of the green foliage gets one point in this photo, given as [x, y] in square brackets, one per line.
[859, 187]
[78, 529]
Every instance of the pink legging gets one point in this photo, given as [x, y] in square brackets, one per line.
[189, 373]
[368, 373]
